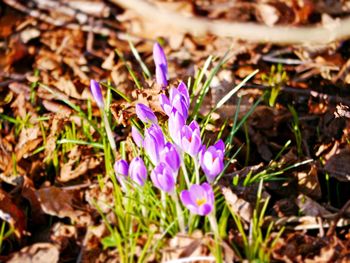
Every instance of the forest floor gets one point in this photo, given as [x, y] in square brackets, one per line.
[284, 196]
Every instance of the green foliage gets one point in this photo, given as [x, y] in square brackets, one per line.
[296, 130]
[275, 80]
[260, 240]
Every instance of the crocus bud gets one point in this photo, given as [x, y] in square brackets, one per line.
[171, 157]
[163, 178]
[175, 124]
[199, 199]
[96, 93]
[154, 143]
[161, 77]
[182, 92]
[161, 65]
[212, 161]
[179, 104]
[220, 146]
[191, 139]
[138, 171]
[121, 169]
[182, 88]
[136, 136]
[145, 114]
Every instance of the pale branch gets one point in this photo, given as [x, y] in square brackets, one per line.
[338, 30]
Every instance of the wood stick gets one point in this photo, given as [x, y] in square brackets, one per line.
[246, 31]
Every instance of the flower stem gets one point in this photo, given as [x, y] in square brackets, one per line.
[184, 170]
[179, 212]
[196, 167]
[214, 226]
[109, 133]
[163, 198]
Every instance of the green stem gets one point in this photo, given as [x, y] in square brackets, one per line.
[179, 212]
[196, 167]
[109, 133]
[163, 198]
[184, 170]
[214, 226]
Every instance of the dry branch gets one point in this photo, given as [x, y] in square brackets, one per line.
[338, 30]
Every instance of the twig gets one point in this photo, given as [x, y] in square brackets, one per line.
[341, 212]
[247, 31]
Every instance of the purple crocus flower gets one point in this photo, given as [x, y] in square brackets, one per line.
[165, 104]
[178, 99]
[161, 65]
[136, 136]
[179, 104]
[199, 199]
[220, 146]
[175, 124]
[191, 142]
[154, 142]
[182, 88]
[212, 160]
[145, 114]
[96, 93]
[121, 169]
[161, 77]
[138, 171]
[171, 157]
[163, 178]
[182, 91]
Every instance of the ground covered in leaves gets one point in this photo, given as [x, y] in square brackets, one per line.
[296, 138]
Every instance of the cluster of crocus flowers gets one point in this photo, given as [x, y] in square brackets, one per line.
[166, 157]
[165, 149]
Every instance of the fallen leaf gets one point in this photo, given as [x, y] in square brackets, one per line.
[338, 166]
[311, 208]
[239, 206]
[10, 213]
[57, 202]
[38, 253]
[267, 13]
[81, 163]
[308, 183]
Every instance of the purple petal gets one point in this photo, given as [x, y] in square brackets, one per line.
[159, 55]
[196, 192]
[96, 93]
[161, 76]
[138, 171]
[121, 167]
[165, 104]
[179, 104]
[220, 145]
[175, 124]
[136, 136]
[205, 209]
[182, 88]
[171, 157]
[186, 198]
[145, 114]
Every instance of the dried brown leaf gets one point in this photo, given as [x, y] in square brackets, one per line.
[77, 165]
[267, 13]
[311, 208]
[338, 166]
[309, 184]
[57, 202]
[239, 206]
[38, 253]
[10, 213]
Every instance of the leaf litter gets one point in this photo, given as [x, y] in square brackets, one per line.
[44, 181]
